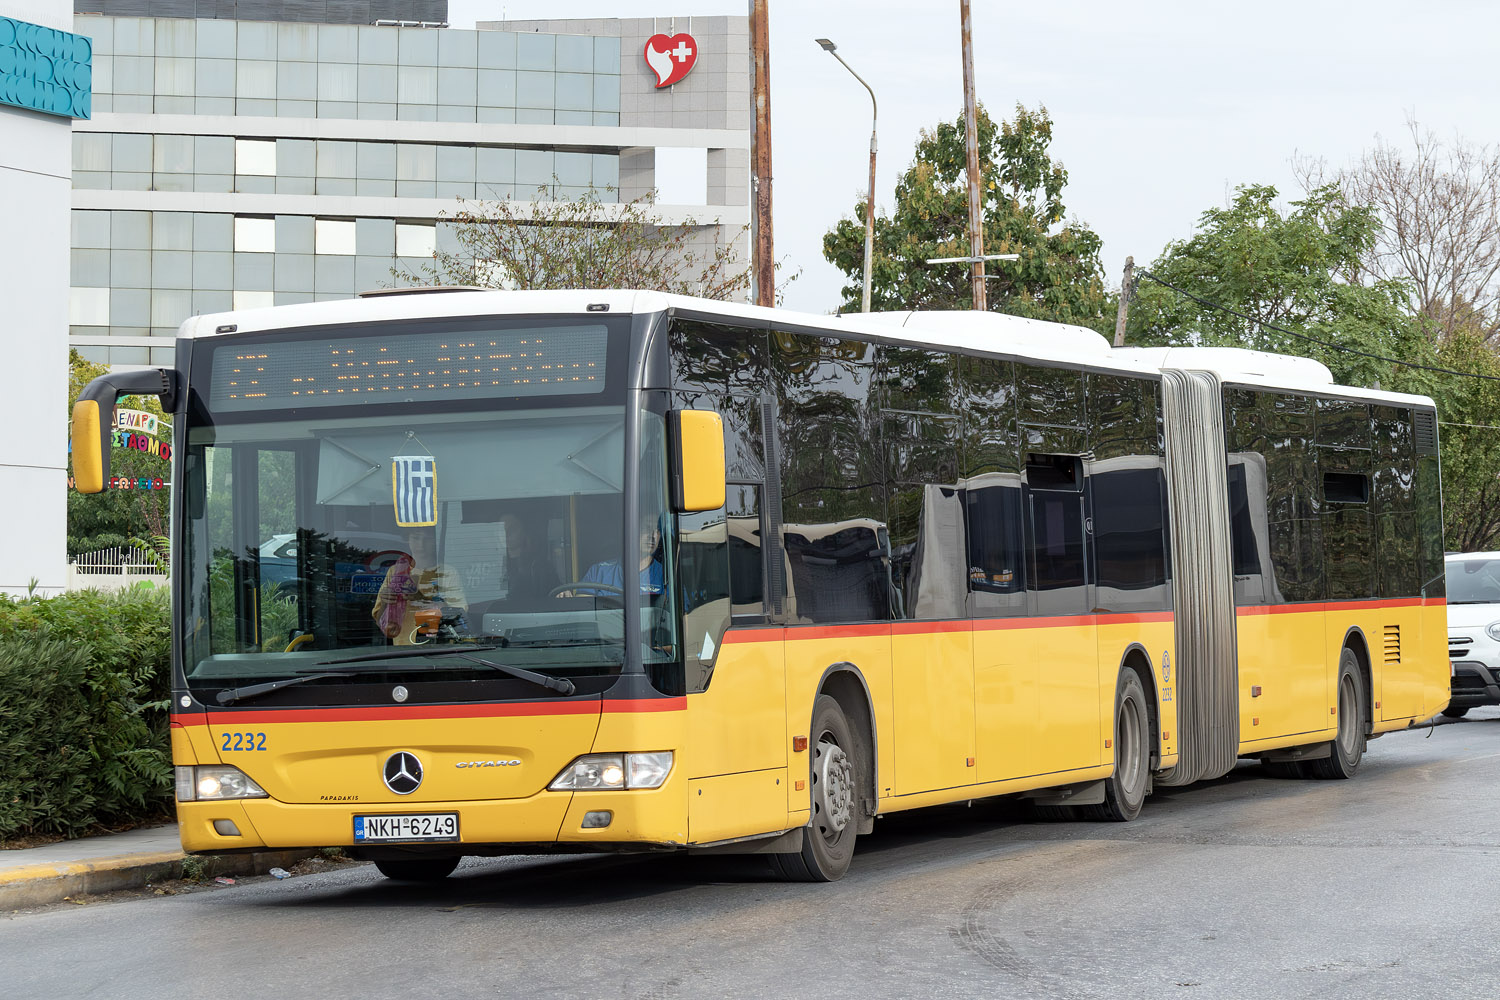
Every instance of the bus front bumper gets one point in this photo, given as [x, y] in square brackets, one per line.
[547, 821]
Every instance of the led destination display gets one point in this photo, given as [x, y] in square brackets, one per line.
[410, 367]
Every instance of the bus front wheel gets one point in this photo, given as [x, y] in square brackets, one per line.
[828, 840]
[1125, 790]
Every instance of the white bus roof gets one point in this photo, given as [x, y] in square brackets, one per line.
[989, 333]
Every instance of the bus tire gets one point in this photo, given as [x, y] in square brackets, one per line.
[1456, 711]
[1345, 751]
[418, 869]
[1125, 789]
[834, 778]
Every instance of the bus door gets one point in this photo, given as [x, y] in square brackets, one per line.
[932, 667]
[1061, 645]
[258, 595]
[1005, 685]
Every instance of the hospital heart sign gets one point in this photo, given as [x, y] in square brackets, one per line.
[671, 57]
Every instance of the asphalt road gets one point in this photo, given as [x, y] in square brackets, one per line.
[1384, 886]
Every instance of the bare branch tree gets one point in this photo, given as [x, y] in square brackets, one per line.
[1439, 208]
[585, 243]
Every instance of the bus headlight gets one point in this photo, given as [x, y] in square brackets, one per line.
[606, 771]
[215, 783]
[647, 770]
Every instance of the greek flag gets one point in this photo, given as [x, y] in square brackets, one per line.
[414, 489]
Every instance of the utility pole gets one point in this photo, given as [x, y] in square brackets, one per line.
[764, 254]
[1126, 287]
[971, 140]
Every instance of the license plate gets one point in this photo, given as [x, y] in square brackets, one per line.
[406, 827]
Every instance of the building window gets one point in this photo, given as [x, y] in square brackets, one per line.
[415, 240]
[254, 300]
[254, 235]
[89, 307]
[255, 157]
[334, 236]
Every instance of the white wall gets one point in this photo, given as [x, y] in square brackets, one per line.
[36, 153]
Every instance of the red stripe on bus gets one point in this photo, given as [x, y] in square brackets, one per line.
[645, 704]
[420, 712]
[928, 628]
[1313, 607]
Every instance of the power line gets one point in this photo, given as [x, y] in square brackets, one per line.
[1312, 340]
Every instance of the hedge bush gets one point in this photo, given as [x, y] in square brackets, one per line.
[84, 687]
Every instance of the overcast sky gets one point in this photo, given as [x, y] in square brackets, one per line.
[1159, 109]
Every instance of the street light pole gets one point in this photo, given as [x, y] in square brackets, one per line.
[830, 48]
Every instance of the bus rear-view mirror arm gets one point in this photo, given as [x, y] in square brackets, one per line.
[93, 419]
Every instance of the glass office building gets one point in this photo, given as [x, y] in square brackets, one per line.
[244, 163]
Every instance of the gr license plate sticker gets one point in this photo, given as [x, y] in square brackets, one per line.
[406, 827]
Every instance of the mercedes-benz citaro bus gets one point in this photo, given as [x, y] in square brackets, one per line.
[621, 571]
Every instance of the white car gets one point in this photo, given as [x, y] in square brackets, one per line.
[1473, 630]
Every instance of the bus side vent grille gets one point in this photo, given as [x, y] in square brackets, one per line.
[1392, 645]
[1426, 432]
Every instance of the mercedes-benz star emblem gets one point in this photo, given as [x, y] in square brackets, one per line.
[403, 772]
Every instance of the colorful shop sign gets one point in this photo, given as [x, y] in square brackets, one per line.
[137, 420]
[143, 443]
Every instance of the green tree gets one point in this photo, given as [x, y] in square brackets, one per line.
[1469, 411]
[1288, 268]
[586, 243]
[1058, 276]
[117, 517]
[1284, 269]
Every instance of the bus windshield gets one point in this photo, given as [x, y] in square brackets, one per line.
[314, 540]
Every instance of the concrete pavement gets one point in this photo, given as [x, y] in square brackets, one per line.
[36, 876]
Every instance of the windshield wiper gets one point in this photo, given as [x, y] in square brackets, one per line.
[559, 643]
[229, 696]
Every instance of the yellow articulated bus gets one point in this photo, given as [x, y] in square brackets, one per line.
[488, 572]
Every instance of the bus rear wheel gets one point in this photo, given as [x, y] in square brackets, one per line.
[1125, 790]
[1345, 752]
[828, 840]
[418, 869]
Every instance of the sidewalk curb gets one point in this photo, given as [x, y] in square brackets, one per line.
[39, 885]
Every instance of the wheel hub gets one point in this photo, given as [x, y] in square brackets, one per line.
[834, 788]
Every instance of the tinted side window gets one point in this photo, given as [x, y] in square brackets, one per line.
[994, 522]
[1057, 547]
[720, 574]
[1348, 524]
[926, 515]
[717, 357]
[1394, 503]
[833, 514]
[991, 443]
[1127, 495]
[1049, 397]
[1293, 496]
[1128, 538]
[1058, 564]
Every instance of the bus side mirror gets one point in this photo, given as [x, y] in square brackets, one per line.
[697, 460]
[93, 419]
